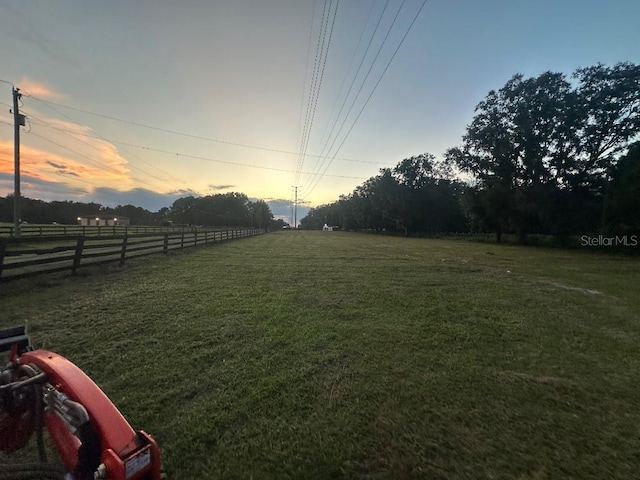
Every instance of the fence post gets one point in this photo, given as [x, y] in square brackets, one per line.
[165, 247]
[182, 240]
[78, 256]
[206, 237]
[123, 252]
[3, 248]
[195, 239]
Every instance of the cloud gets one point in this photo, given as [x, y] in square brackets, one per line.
[217, 188]
[57, 149]
[38, 89]
[107, 168]
[42, 189]
[283, 209]
[56, 165]
[184, 193]
[139, 197]
[39, 188]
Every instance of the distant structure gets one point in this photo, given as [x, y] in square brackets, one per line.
[102, 221]
[327, 228]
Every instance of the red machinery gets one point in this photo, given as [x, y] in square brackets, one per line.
[41, 389]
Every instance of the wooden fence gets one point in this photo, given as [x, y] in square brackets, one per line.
[29, 256]
[29, 230]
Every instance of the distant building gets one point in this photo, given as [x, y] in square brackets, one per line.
[103, 221]
[327, 228]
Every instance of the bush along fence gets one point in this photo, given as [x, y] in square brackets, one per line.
[29, 256]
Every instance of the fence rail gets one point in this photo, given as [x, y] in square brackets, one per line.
[29, 230]
[22, 257]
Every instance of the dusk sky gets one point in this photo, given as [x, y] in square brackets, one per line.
[232, 81]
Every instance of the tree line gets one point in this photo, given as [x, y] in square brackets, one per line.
[545, 155]
[228, 209]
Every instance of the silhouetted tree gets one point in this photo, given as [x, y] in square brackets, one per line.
[540, 149]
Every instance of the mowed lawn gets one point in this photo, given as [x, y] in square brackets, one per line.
[318, 355]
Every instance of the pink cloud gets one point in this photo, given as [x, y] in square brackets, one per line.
[45, 165]
[38, 89]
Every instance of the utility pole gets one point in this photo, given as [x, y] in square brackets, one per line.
[18, 120]
[295, 207]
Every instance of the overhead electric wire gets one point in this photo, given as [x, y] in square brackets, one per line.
[100, 166]
[306, 72]
[73, 134]
[101, 137]
[209, 159]
[324, 52]
[173, 153]
[355, 99]
[346, 75]
[375, 30]
[86, 157]
[71, 177]
[174, 132]
[77, 179]
[371, 94]
[313, 83]
[91, 160]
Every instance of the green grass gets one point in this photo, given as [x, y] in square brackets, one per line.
[332, 355]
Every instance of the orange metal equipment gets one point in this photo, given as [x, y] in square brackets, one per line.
[41, 389]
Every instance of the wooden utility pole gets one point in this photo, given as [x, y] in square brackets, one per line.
[18, 120]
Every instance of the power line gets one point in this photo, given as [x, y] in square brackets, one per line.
[173, 153]
[312, 85]
[372, 92]
[314, 93]
[101, 137]
[173, 132]
[83, 156]
[91, 160]
[209, 159]
[375, 30]
[73, 134]
[306, 73]
[355, 99]
[346, 75]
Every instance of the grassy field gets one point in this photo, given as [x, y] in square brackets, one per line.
[332, 355]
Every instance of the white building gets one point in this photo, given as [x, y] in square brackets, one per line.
[102, 221]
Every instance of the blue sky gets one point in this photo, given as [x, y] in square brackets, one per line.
[235, 75]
